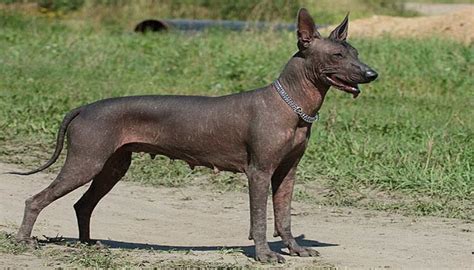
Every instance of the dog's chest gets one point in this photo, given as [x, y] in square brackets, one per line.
[301, 137]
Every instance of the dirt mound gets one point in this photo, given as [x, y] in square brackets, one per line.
[457, 25]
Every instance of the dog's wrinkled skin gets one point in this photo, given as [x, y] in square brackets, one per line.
[255, 133]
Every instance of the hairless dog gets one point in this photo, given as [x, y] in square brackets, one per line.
[262, 133]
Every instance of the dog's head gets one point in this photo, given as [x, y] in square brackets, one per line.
[332, 61]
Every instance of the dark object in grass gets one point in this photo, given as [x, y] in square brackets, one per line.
[262, 133]
[151, 26]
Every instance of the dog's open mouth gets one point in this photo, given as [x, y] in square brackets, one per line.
[348, 87]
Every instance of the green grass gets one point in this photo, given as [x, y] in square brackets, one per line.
[9, 245]
[409, 135]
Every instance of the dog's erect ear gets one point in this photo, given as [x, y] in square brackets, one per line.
[340, 33]
[306, 29]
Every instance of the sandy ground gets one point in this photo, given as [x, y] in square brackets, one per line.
[138, 217]
[457, 25]
[436, 8]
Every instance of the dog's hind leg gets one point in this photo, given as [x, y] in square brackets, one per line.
[78, 169]
[114, 169]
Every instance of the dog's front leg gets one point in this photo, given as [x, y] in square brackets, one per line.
[282, 189]
[259, 181]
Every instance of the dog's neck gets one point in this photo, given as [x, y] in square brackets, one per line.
[304, 87]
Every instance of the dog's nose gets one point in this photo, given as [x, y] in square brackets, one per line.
[371, 74]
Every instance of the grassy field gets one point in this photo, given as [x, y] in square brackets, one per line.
[405, 144]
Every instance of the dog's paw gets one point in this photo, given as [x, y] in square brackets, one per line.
[269, 256]
[303, 251]
[28, 242]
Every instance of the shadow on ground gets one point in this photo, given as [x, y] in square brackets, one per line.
[246, 250]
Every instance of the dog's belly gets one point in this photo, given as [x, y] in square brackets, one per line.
[233, 160]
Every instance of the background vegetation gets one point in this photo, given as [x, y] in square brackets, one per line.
[123, 11]
[406, 143]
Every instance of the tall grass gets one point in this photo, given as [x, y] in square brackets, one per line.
[410, 133]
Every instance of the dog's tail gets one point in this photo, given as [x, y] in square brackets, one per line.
[59, 142]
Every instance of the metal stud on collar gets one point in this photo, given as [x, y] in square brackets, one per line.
[297, 109]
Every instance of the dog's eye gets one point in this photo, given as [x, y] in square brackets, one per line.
[338, 55]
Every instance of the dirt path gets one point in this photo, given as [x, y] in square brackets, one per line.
[457, 25]
[436, 8]
[133, 216]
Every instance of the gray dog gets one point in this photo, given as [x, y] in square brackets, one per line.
[262, 133]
